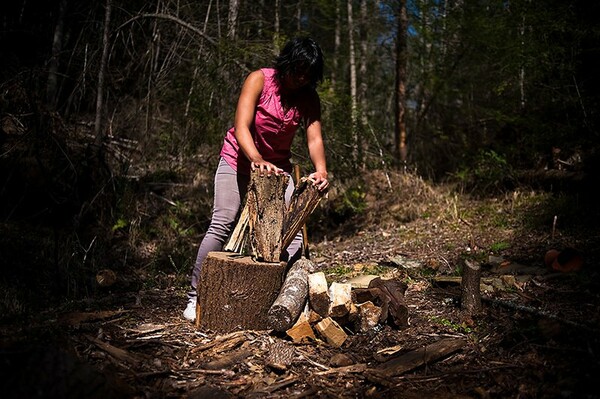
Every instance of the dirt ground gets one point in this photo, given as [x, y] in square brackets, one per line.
[537, 336]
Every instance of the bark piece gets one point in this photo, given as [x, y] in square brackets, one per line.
[389, 295]
[331, 331]
[368, 316]
[281, 355]
[318, 294]
[413, 359]
[292, 297]
[304, 201]
[341, 299]
[266, 208]
[235, 292]
[239, 237]
[469, 287]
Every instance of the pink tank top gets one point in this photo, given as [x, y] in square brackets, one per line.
[273, 129]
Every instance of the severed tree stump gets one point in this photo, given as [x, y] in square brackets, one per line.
[470, 288]
[235, 292]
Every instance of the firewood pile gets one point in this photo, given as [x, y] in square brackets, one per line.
[308, 307]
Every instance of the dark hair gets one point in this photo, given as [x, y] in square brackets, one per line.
[301, 54]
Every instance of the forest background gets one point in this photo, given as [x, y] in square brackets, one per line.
[113, 112]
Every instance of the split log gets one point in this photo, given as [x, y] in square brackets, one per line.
[411, 360]
[292, 297]
[331, 331]
[389, 295]
[341, 299]
[318, 294]
[266, 208]
[304, 201]
[235, 292]
[368, 316]
[239, 237]
[470, 288]
[301, 331]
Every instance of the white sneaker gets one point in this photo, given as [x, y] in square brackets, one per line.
[190, 310]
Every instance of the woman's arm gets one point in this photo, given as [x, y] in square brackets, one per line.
[316, 150]
[244, 115]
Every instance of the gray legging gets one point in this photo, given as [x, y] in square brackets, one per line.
[230, 188]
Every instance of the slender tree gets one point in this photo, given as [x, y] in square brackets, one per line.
[352, 62]
[401, 77]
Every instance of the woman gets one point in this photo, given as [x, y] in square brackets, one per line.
[273, 104]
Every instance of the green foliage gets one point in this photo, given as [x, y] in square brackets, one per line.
[457, 327]
[350, 203]
[120, 224]
[489, 173]
[499, 246]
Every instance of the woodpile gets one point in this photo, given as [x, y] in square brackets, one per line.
[256, 291]
[332, 311]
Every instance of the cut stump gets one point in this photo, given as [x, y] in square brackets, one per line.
[470, 288]
[235, 292]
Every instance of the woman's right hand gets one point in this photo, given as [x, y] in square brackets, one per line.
[266, 167]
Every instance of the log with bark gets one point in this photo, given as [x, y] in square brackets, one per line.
[389, 295]
[413, 359]
[266, 210]
[291, 299]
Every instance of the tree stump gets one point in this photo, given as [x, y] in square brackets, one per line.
[470, 288]
[235, 292]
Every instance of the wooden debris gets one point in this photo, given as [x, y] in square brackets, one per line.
[239, 237]
[292, 297]
[228, 360]
[76, 318]
[413, 359]
[280, 355]
[117, 353]
[318, 294]
[341, 299]
[368, 316]
[106, 278]
[470, 291]
[331, 331]
[223, 343]
[389, 295]
[302, 330]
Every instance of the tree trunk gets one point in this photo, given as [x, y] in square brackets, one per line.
[235, 292]
[401, 76]
[52, 84]
[352, 61]
[232, 16]
[98, 128]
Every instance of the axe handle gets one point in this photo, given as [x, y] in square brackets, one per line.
[304, 230]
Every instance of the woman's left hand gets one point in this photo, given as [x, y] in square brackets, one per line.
[319, 179]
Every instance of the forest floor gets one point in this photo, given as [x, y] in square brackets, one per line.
[537, 337]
